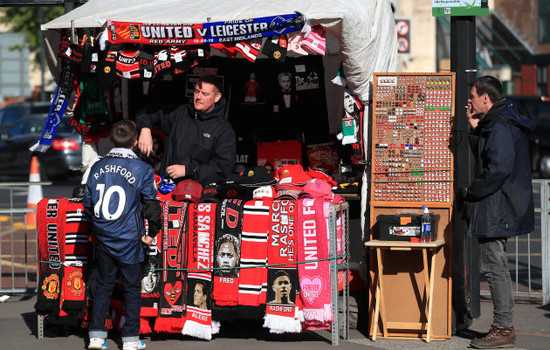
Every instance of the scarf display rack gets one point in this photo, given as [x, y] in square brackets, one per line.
[338, 222]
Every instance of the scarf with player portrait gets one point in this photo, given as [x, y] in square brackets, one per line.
[227, 254]
[198, 321]
[283, 308]
[172, 287]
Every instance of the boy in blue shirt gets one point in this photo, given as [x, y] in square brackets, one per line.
[120, 192]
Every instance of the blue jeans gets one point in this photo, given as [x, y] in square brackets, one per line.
[130, 274]
[494, 264]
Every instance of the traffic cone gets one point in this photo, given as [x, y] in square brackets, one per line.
[35, 194]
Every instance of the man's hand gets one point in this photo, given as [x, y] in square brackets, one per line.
[175, 171]
[473, 118]
[145, 142]
[147, 241]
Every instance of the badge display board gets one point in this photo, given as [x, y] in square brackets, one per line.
[412, 166]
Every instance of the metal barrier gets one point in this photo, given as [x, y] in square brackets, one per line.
[18, 246]
[529, 255]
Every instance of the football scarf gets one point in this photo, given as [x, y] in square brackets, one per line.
[172, 287]
[51, 254]
[283, 314]
[77, 256]
[58, 107]
[227, 252]
[198, 321]
[253, 279]
[150, 286]
[202, 33]
[314, 269]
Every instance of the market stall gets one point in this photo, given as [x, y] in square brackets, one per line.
[143, 52]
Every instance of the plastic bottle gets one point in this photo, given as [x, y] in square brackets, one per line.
[426, 229]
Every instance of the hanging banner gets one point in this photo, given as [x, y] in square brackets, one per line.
[203, 33]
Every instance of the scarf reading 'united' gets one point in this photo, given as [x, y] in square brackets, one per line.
[314, 273]
[77, 235]
[253, 281]
[283, 314]
[198, 321]
[51, 255]
[172, 287]
[227, 252]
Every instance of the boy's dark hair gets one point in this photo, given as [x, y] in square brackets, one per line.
[124, 133]
[210, 79]
[489, 85]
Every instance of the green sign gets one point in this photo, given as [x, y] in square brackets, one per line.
[460, 7]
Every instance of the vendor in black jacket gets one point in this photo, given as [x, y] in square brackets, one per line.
[200, 141]
[500, 197]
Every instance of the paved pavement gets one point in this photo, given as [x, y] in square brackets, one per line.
[18, 327]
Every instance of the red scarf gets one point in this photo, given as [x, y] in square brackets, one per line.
[150, 283]
[253, 281]
[172, 287]
[77, 235]
[283, 314]
[229, 216]
[198, 321]
[51, 253]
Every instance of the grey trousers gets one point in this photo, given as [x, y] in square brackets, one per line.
[494, 265]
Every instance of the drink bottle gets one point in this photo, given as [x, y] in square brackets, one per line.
[426, 229]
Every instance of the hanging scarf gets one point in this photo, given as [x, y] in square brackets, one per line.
[58, 107]
[150, 283]
[227, 251]
[51, 254]
[315, 288]
[283, 314]
[198, 321]
[77, 235]
[253, 281]
[172, 287]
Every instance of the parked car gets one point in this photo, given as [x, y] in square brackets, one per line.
[13, 112]
[538, 109]
[62, 159]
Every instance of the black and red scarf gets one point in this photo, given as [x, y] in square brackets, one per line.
[172, 283]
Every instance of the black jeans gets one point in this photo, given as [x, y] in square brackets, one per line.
[130, 277]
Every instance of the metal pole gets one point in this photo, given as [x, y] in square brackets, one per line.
[42, 59]
[466, 300]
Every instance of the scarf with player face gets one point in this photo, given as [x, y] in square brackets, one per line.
[314, 275]
[283, 309]
[172, 287]
[227, 255]
[198, 321]
[51, 253]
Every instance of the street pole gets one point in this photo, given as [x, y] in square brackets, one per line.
[466, 297]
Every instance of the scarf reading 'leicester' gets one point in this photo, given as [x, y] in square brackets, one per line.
[172, 287]
[198, 322]
[283, 312]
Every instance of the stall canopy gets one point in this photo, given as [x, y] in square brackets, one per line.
[365, 29]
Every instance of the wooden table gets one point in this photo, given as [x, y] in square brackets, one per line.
[379, 309]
